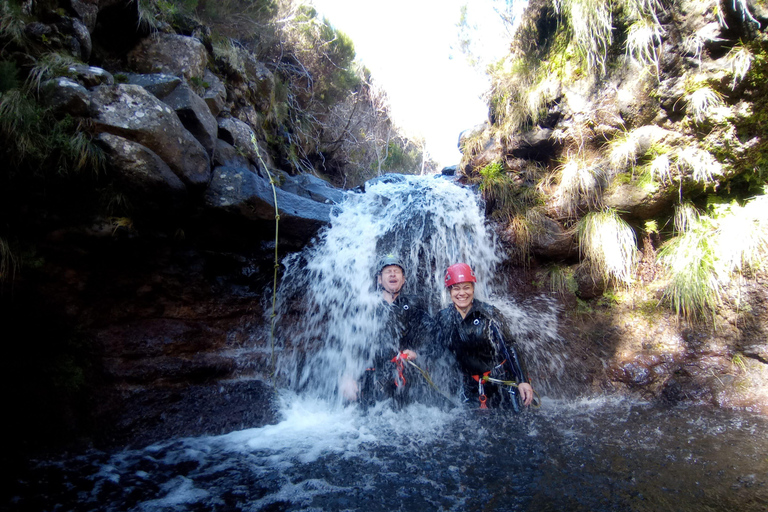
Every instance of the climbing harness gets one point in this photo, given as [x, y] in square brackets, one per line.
[512, 385]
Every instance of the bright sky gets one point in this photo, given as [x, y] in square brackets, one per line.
[411, 48]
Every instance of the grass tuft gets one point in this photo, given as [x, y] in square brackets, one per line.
[591, 23]
[702, 165]
[580, 185]
[688, 259]
[608, 245]
[739, 61]
[702, 102]
[644, 41]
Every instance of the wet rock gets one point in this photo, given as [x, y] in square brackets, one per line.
[239, 135]
[758, 351]
[246, 195]
[552, 241]
[146, 415]
[129, 111]
[638, 372]
[226, 155]
[588, 286]
[171, 54]
[87, 11]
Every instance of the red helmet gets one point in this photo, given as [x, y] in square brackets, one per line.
[459, 273]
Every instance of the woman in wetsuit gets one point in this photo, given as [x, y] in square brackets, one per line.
[491, 367]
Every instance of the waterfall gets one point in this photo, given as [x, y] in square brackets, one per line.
[328, 318]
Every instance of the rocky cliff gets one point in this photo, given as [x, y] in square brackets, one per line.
[624, 164]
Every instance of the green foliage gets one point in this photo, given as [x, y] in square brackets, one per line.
[33, 139]
[693, 290]
[591, 28]
[561, 280]
[708, 248]
[11, 24]
[400, 159]
[608, 245]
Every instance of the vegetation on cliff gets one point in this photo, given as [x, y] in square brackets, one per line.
[626, 156]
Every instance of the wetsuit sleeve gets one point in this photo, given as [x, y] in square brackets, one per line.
[515, 362]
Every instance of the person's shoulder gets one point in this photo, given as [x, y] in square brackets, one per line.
[445, 313]
[485, 309]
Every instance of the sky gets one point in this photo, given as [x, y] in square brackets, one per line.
[411, 48]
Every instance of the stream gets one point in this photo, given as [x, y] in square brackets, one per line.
[576, 452]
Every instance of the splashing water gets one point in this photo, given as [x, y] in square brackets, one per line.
[429, 223]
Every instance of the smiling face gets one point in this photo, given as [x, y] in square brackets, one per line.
[391, 279]
[462, 295]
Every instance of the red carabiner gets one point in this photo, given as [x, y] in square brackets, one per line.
[483, 398]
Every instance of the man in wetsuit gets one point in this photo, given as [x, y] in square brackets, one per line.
[491, 367]
[406, 327]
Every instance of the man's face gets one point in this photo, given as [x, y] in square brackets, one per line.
[462, 295]
[391, 279]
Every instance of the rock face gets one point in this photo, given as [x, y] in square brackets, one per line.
[169, 295]
[636, 129]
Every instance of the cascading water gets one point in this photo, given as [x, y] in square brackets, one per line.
[429, 223]
[596, 454]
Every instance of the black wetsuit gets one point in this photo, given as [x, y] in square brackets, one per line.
[481, 344]
[406, 325]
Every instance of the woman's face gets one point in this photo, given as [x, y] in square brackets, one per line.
[462, 295]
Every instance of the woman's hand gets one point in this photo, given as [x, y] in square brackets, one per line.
[409, 354]
[526, 392]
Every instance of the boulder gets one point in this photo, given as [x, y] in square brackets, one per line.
[159, 84]
[170, 53]
[195, 115]
[536, 144]
[131, 112]
[551, 241]
[65, 96]
[147, 180]
[312, 187]
[226, 155]
[90, 76]
[240, 192]
[238, 134]
[83, 37]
